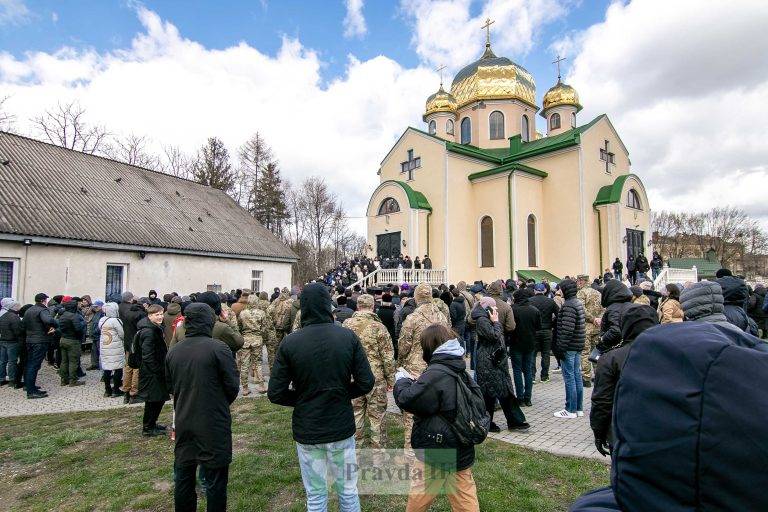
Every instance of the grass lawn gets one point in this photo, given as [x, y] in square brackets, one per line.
[99, 461]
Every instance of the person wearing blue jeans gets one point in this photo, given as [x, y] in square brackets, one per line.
[35, 355]
[570, 343]
[9, 355]
[523, 371]
[574, 386]
[326, 463]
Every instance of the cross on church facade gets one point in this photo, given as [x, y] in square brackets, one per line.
[557, 61]
[410, 165]
[608, 157]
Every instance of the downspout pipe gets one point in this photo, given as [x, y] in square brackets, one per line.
[429, 214]
[599, 237]
[509, 218]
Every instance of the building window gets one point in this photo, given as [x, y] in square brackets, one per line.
[449, 126]
[389, 205]
[554, 121]
[573, 119]
[466, 131]
[256, 278]
[525, 129]
[486, 242]
[213, 288]
[532, 241]
[496, 125]
[115, 280]
[633, 199]
[7, 278]
[432, 127]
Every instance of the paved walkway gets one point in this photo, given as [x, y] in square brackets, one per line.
[562, 437]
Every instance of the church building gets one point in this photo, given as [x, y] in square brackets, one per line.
[487, 197]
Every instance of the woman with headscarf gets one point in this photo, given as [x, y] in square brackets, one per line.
[111, 350]
[10, 340]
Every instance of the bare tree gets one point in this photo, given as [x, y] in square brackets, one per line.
[6, 118]
[65, 125]
[320, 210]
[175, 162]
[132, 150]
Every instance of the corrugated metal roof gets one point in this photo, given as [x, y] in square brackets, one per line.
[50, 191]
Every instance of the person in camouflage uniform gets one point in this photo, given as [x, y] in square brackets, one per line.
[593, 309]
[377, 343]
[232, 319]
[254, 328]
[269, 340]
[279, 313]
[409, 352]
[442, 306]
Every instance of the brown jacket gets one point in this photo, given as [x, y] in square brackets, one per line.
[506, 317]
[670, 311]
[238, 306]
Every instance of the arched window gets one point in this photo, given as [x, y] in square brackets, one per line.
[554, 121]
[496, 125]
[432, 127]
[466, 131]
[486, 242]
[525, 129]
[389, 205]
[633, 199]
[573, 119]
[532, 241]
[449, 127]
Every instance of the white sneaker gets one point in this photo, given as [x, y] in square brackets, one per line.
[565, 414]
[579, 413]
[557, 370]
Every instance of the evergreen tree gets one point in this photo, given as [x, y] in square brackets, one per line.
[268, 202]
[213, 168]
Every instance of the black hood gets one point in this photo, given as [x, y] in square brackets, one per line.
[213, 300]
[479, 311]
[637, 319]
[459, 298]
[70, 306]
[199, 319]
[522, 296]
[569, 288]
[316, 305]
[735, 290]
[614, 292]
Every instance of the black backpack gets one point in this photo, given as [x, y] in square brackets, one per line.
[472, 419]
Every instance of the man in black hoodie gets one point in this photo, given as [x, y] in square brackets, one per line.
[38, 325]
[318, 370]
[615, 298]
[130, 314]
[203, 379]
[72, 329]
[548, 310]
[522, 344]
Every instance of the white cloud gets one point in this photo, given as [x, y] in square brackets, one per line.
[354, 21]
[176, 91]
[54, 17]
[13, 12]
[446, 34]
[686, 84]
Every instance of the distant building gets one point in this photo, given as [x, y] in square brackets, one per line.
[73, 223]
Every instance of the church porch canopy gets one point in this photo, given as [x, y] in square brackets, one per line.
[538, 276]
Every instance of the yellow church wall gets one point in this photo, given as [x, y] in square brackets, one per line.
[529, 200]
[480, 117]
[489, 197]
[389, 223]
[633, 218]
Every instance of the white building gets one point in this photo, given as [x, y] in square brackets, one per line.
[73, 223]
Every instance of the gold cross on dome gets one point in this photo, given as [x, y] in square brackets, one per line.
[440, 70]
[487, 27]
[557, 61]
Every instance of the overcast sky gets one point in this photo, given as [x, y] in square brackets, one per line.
[684, 81]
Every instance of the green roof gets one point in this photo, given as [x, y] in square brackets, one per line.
[538, 276]
[415, 198]
[510, 167]
[704, 266]
[611, 193]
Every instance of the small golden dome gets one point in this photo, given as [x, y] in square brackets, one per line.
[561, 94]
[441, 101]
[493, 78]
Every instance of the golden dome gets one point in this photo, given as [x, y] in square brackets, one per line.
[441, 101]
[561, 94]
[493, 78]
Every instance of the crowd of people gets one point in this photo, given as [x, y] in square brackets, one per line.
[350, 271]
[335, 352]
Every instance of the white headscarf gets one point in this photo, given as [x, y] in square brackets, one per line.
[8, 304]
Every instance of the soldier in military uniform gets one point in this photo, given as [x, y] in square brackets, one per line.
[377, 343]
[279, 313]
[254, 328]
[409, 352]
[593, 309]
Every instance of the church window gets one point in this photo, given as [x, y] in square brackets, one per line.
[389, 205]
[525, 129]
[466, 131]
[432, 127]
[633, 199]
[496, 125]
[554, 121]
[531, 241]
[486, 242]
[573, 119]
[449, 127]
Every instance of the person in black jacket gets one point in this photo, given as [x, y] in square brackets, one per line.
[342, 312]
[755, 309]
[38, 326]
[72, 329]
[548, 310]
[432, 401]
[618, 268]
[130, 314]
[615, 298]
[634, 321]
[522, 344]
[318, 370]
[736, 296]
[153, 387]
[10, 340]
[458, 310]
[202, 376]
[491, 368]
[386, 312]
[631, 270]
[570, 342]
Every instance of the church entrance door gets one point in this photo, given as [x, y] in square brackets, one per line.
[388, 245]
[635, 242]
